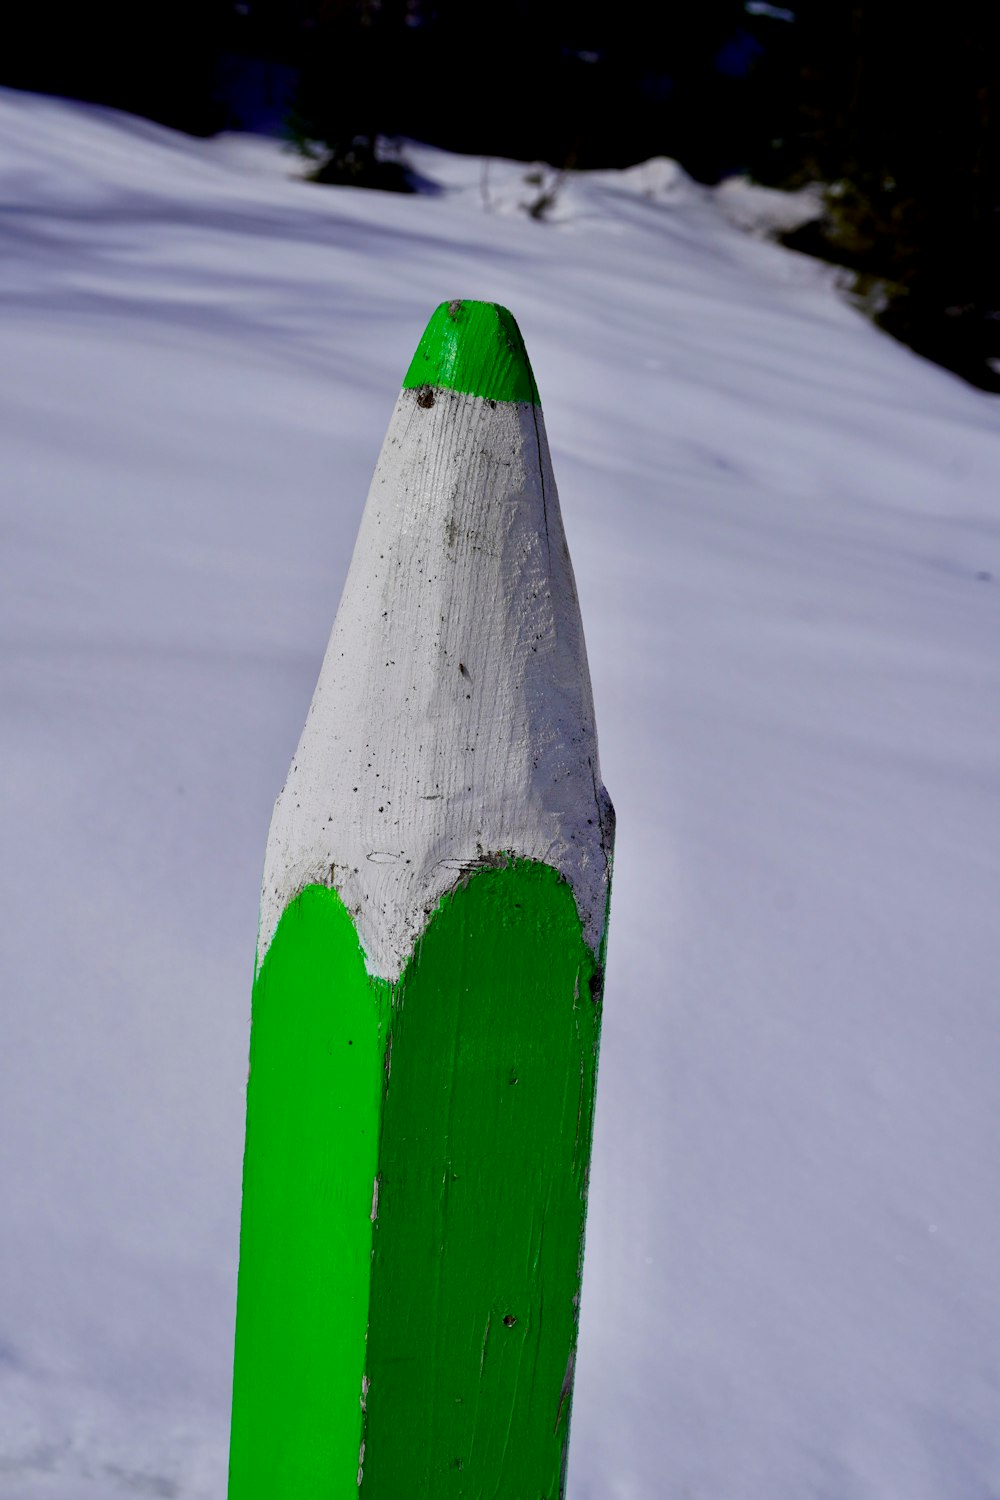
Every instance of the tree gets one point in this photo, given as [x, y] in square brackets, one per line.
[896, 111]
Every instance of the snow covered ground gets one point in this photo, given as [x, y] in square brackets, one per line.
[786, 531]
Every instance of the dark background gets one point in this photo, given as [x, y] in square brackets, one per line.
[893, 109]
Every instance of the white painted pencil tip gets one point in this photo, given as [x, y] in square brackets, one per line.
[453, 720]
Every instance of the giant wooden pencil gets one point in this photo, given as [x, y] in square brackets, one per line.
[426, 1007]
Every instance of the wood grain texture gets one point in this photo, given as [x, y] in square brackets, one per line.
[453, 718]
[483, 1165]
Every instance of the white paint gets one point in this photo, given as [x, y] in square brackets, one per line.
[453, 717]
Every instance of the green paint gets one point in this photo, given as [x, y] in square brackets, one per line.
[313, 1106]
[469, 1279]
[475, 347]
[484, 1157]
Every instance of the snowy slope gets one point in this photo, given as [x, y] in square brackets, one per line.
[786, 533]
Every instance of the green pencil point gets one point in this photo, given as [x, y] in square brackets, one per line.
[475, 348]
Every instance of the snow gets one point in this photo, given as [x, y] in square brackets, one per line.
[786, 535]
[766, 211]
